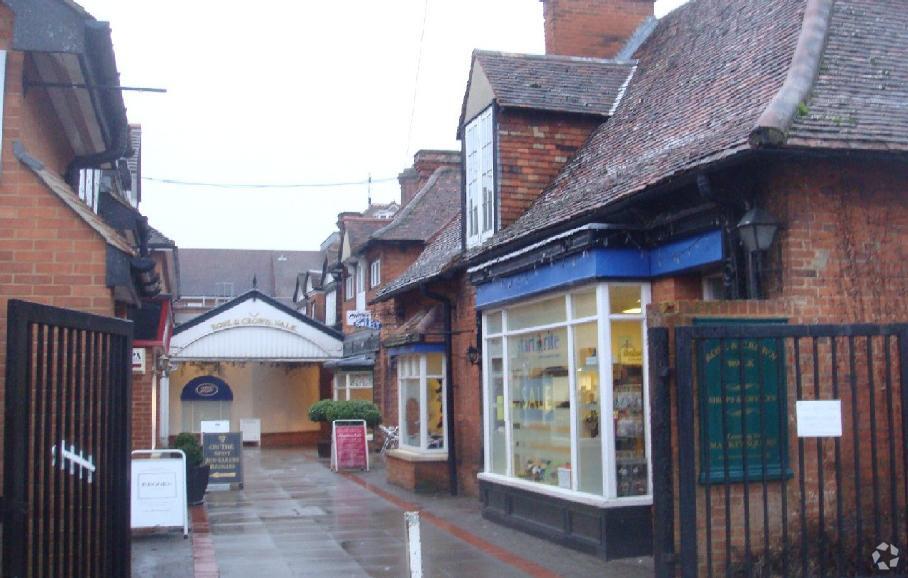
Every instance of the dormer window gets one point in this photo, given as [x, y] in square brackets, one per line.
[480, 172]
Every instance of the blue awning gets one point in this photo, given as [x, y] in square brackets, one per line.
[206, 388]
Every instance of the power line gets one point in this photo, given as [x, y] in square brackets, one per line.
[266, 185]
[422, 35]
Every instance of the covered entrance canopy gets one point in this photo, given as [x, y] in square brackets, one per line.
[269, 357]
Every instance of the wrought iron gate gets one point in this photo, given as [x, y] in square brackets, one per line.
[770, 482]
[66, 443]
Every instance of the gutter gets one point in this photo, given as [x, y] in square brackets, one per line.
[449, 386]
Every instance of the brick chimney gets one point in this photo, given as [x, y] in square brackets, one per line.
[594, 28]
[425, 162]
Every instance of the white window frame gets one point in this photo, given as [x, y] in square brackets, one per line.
[360, 285]
[603, 319]
[375, 274]
[331, 307]
[423, 405]
[348, 384]
[479, 153]
[349, 280]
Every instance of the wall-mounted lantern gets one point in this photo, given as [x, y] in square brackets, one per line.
[757, 230]
[473, 355]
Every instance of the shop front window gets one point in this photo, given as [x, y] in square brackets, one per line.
[565, 393]
[421, 387]
[349, 386]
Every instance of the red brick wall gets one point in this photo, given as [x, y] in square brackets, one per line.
[425, 162]
[842, 257]
[142, 395]
[466, 381]
[47, 254]
[533, 146]
[597, 28]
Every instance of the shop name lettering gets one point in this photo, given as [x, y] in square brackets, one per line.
[156, 484]
[362, 319]
[765, 352]
[547, 342]
[254, 321]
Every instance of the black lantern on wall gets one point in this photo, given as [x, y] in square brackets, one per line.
[757, 230]
[473, 355]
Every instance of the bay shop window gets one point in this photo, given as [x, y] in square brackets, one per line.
[422, 404]
[565, 396]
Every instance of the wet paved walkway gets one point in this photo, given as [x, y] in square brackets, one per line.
[297, 518]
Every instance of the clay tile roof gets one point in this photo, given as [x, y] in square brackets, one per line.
[703, 77]
[359, 229]
[433, 206]
[554, 83]
[860, 97]
[718, 77]
[229, 272]
[442, 253]
[414, 329]
[158, 239]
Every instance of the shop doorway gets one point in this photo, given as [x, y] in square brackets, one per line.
[791, 449]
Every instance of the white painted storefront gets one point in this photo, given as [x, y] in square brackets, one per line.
[251, 358]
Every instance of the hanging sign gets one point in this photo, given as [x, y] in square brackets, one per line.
[224, 453]
[362, 319]
[349, 449]
[158, 491]
[742, 421]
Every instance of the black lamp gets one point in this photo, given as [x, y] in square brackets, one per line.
[472, 355]
[757, 230]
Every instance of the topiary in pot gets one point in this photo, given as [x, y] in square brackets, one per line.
[317, 413]
[354, 409]
[196, 471]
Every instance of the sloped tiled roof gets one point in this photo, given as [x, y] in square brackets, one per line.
[442, 253]
[433, 206]
[554, 83]
[158, 239]
[703, 77]
[205, 271]
[359, 229]
[706, 76]
[860, 97]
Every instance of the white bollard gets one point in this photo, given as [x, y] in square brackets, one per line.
[414, 546]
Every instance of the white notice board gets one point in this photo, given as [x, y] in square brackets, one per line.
[819, 419]
[215, 426]
[158, 491]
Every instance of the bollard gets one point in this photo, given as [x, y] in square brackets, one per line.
[414, 546]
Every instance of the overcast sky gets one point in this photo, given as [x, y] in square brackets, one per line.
[278, 92]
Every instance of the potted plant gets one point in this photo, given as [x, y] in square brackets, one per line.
[196, 471]
[317, 413]
[327, 411]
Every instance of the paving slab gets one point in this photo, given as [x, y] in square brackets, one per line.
[295, 517]
[161, 554]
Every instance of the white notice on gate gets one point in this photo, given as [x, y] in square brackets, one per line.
[819, 419]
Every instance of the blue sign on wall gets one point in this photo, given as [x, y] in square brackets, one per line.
[206, 388]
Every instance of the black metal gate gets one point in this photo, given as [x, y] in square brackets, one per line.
[791, 450]
[66, 443]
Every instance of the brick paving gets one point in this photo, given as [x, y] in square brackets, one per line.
[294, 517]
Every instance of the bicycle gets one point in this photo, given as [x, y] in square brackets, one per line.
[392, 437]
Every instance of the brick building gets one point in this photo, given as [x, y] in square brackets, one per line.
[70, 231]
[608, 188]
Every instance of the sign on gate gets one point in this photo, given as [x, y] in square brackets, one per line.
[349, 449]
[742, 401]
[224, 453]
[158, 491]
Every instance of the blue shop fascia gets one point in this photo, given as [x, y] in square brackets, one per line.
[565, 384]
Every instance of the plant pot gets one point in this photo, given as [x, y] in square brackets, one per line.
[324, 448]
[197, 483]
